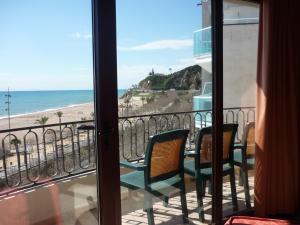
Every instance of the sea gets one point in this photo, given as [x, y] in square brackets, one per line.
[27, 102]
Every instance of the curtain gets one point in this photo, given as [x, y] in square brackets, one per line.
[277, 179]
[41, 207]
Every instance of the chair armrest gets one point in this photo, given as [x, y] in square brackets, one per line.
[190, 153]
[134, 166]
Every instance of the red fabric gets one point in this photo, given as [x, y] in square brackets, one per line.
[41, 207]
[244, 220]
[277, 180]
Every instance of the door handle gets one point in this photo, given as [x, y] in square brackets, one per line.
[104, 135]
[105, 132]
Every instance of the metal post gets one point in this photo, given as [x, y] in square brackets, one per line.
[8, 102]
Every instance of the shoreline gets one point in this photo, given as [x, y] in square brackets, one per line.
[70, 113]
[73, 112]
[46, 110]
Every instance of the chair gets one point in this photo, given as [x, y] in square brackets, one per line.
[201, 166]
[162, 169]
[244, 158]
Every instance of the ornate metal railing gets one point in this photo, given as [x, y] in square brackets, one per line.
[33, 155]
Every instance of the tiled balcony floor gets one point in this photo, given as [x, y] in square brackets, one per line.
[133, 213]
[73, 201]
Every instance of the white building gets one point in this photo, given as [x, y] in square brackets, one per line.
[240, 35]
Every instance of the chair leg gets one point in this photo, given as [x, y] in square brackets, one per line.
[166, 201]
[209, 187]
[183, 201]
[199, 193]
[233, 190]
[204, 188]
[246, 188]
[241, 181]
[148, 207]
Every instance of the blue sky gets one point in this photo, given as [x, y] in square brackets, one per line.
[47, 44]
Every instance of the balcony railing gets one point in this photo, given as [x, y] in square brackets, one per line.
[202, 42]
[38, 154]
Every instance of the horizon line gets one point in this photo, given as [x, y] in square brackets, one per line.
[57, 90]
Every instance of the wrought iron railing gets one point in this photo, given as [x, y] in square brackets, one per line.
[38, 154]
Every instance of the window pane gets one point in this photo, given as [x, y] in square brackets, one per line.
[46, 115]
[240, 56]
[164, 79]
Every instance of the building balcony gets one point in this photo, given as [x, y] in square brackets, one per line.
[202, 42]
[55, 164]
[203, 47]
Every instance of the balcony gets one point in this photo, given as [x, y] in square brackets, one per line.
[56, 163]
[203, 48]
[202, 42]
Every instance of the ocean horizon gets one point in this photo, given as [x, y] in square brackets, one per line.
[28, 102]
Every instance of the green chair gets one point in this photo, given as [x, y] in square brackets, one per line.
[162, 168]
[201, 166]
[244, 158]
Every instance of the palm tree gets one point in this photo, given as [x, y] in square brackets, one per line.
[92, 115]
[42, 121]
[143, 99]
[127, 101]
[15, 142]
[59, 114]
[121, 106]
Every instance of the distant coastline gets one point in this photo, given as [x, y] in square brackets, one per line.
[47, 110]
[25, 103]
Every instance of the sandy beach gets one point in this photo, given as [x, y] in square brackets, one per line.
[163, 102]
[71, 113]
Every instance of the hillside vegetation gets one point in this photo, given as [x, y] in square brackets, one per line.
[188, 78]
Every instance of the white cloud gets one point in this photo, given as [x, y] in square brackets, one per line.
[187, 61]
[87, 36]
[174, 44]
[78, 35]
[132, 74]
[82, 69]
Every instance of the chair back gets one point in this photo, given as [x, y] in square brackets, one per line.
[248, 139]
[204, 145]
[164, 155]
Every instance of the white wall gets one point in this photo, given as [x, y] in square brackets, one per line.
[240, 61]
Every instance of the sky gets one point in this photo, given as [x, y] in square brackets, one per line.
[47, 44]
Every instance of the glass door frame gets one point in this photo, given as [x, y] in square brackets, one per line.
[106, 110]
[217, 110]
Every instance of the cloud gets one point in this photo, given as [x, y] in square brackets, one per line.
[82, 69]
[173, 44]
[132, 74]
[187, 61]
[78, 35]
[87, 36]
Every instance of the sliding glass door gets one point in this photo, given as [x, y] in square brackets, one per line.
[240, 40]
[106, 108]
[47, 135]
[86, 134]
[58, 113]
